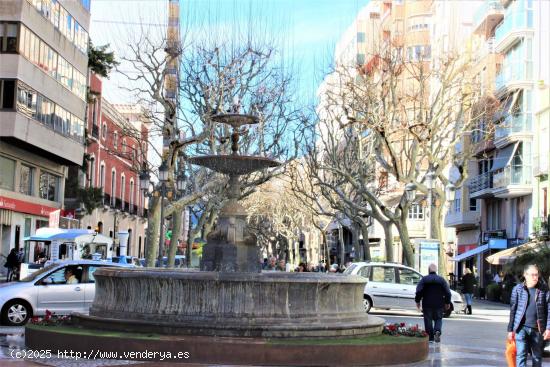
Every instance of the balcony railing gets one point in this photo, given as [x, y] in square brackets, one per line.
[512, 72]
[488, 7]
[512, 175]
[481, 182]
[514, 124]
[518, 19]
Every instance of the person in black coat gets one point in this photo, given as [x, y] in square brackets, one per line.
[435, 294]
[468, 283]
[12, 263]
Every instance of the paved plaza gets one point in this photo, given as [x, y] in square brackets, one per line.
[468, 341]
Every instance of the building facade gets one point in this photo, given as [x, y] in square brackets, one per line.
[43, 68]
[117, 147]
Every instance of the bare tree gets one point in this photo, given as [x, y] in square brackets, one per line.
[398, 119]
[215, 76]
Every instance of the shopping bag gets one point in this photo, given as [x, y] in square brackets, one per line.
[511, 352]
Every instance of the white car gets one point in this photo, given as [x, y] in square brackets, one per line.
[392, 286]
[47, 289]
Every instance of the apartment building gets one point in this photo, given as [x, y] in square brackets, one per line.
[43, 68]
[117, 136]
[508, 178]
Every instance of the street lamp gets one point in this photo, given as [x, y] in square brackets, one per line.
[410, 191]
[430, 178]
[181, 182]
[450, 192]
[163, 178]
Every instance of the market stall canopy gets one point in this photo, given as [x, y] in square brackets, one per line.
[508, 255]
[51, 234]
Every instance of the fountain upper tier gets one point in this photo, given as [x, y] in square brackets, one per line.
[236, 120]
[234, 164]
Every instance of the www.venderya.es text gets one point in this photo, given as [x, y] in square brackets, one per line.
[96, 354]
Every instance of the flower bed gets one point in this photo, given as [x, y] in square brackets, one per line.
[51, 319]
[402, 329]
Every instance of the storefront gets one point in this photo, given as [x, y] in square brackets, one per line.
[19, 219]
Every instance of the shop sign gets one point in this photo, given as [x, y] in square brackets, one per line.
[25, 207]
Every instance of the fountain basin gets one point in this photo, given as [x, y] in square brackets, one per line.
[267, 305]
[234, 164]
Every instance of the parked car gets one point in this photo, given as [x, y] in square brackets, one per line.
[179, 262]
[47, 289]
[392, 286]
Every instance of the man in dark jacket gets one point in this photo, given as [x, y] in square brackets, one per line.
[529, 322]
[435, 294]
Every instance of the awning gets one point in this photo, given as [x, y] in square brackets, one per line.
[471, 253]
[59, 234]
[5, 217]
[505, 256]
[504, 157]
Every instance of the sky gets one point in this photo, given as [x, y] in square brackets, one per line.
[304, 31]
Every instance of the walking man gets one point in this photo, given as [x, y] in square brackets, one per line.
[529, 322]
[435, 294]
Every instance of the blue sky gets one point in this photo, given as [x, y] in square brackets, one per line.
[305, 30]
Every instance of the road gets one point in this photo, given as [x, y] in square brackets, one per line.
[467, 341]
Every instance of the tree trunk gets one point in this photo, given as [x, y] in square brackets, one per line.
[153, 231]
[408, 256]
[356, 246]
[366, 244]
[177, 222]
[388, 240]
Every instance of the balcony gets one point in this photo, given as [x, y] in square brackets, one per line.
[461, 220]
[515, 75]
[480, 186]
[517, 23]
[512, 181]
[488, 16]
[513, 128]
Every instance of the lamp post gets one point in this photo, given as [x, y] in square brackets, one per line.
[410, 191]
[163, 178]
[450, 192]
[430, 176]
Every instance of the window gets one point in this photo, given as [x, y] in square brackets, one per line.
[104, 131]
[124, 145]
[407, 276]
[92, 171]
[49, 186]
[26, 100]
[132, 194]
[416, 211]
[122, 189]
[102, 177]
[418, 23]
[7, 94]
[383, 274]
[7, 176]
[473, 205]
[115, 140]
[419, 53]
[456, 205]
[26, 180]
[113, 187]
[8, 37]
[360, 59]
[360, 36]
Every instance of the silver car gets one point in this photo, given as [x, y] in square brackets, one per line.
[48, 289]
[392, 286]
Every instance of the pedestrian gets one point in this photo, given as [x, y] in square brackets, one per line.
[435, 294]
[468, 282]
[12, 264]
[281, 265]
[272, 264]
[529, 322]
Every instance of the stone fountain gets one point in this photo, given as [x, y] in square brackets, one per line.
[218, 313]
